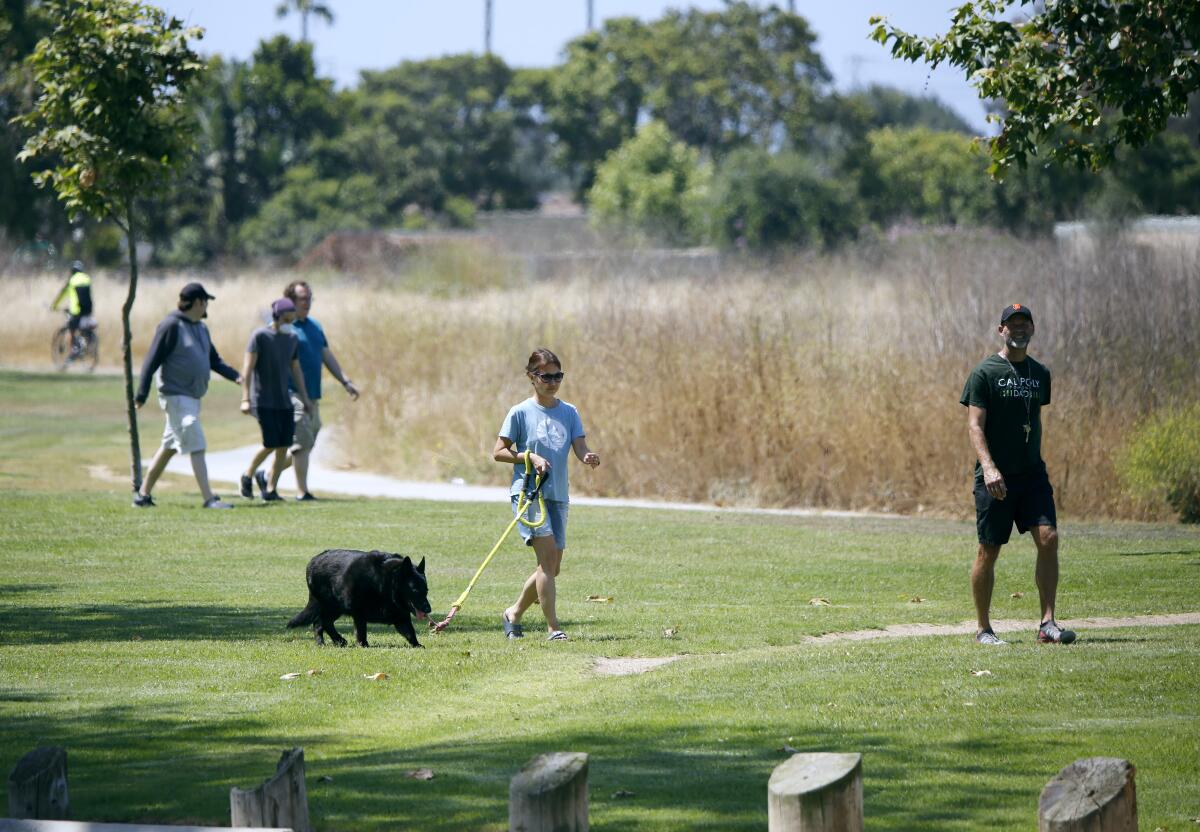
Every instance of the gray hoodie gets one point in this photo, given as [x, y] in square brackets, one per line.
[182, 349]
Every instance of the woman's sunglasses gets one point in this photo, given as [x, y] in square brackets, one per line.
[549, 378]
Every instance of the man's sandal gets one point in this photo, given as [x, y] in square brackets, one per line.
[557, 635]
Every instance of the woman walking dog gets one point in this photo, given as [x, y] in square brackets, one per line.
[546, 428]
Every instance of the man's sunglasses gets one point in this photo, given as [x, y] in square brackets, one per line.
[549, 378]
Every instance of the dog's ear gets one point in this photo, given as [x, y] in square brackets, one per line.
[421, 566]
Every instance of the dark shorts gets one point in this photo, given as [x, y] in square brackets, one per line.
[1030, 502]
[278, 426]
[73, 322]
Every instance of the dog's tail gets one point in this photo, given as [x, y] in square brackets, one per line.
[308, 615]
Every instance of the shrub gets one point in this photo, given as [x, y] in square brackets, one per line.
[1162, 461]
[459, 212]
[652, 186]
[760, 200]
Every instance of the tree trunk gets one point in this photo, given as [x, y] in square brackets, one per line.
[816, 793]
[550, 794]
[281, 802]
[37, 787]
[135, 448]
[1095, 794]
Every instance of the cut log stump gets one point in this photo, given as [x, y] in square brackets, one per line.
[816, 793]
[1095, 794]
[281, 801]
[37, 787]
[550, 794]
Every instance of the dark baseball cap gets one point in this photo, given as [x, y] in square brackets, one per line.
[281, 306]
[1015, 309]
[194, 291]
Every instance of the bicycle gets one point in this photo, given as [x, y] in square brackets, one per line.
[86, 349]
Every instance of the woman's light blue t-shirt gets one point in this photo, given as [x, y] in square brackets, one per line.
[548, 432]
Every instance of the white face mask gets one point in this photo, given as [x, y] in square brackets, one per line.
[287, 329]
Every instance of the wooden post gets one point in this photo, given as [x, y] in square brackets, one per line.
[37, 787]
[1095, 794]
[281, 801]
[550, 794]
[816, 793]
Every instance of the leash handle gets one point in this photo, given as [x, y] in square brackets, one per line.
[529, 495]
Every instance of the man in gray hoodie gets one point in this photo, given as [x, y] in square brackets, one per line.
[181, 357]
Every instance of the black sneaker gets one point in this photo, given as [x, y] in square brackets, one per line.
[305, 498]
[247, 487]
[271, 497]
[143, 501]
[260, 477]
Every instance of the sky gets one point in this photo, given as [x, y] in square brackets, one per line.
[376, 34]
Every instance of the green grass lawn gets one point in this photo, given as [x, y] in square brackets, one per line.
[150, 645]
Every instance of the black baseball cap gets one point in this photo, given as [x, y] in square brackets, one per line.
[1015, 309]
[194, 291]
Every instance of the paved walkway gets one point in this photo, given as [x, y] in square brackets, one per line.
[323, 478]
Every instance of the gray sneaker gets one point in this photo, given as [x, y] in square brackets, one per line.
[988, 637]
[216, 502]
[1051, 633]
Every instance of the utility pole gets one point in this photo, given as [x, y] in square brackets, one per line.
[487, 27]
[590, 9]
[791, 6]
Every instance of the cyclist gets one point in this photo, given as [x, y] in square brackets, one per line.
[78, 292]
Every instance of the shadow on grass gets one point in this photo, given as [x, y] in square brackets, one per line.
[128, 764]
[150, 622]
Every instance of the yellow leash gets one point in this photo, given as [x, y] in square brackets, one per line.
[524, 502]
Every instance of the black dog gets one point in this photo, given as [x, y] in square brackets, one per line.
[368, 586]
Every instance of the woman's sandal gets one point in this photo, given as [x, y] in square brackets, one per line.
[557, 635]
[511, 628]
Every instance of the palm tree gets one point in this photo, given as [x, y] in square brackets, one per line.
[305, 8]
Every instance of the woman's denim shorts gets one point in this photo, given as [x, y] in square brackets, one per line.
[556, 522]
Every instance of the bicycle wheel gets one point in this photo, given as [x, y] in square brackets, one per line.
[60, 348]
[91, 349]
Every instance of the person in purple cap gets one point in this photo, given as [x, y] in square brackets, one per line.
[272, 360]
[181, 357]
[1004, 396]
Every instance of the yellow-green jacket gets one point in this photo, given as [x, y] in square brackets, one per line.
[78, 291]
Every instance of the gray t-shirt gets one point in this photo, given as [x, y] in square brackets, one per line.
[272, 368]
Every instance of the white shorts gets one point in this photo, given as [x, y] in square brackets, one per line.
[183, 431]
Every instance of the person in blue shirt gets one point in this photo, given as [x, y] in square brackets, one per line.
[314, 354]
[547, 429]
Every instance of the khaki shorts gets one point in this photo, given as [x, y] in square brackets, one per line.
[308, 425]
[183, 431]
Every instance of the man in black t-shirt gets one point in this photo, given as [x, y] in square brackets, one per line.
[1004, 396]
[272, 360]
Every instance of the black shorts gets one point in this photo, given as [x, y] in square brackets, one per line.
[1030, 502]
[278, 426]
[73, 322]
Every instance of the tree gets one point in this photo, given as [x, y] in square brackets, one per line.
[306, 9]
[927, 176]
[1079, 78]
[113, 75]
[719, 80]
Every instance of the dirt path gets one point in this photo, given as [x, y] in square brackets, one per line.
[630, 666]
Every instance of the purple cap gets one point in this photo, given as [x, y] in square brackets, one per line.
[282, 305]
